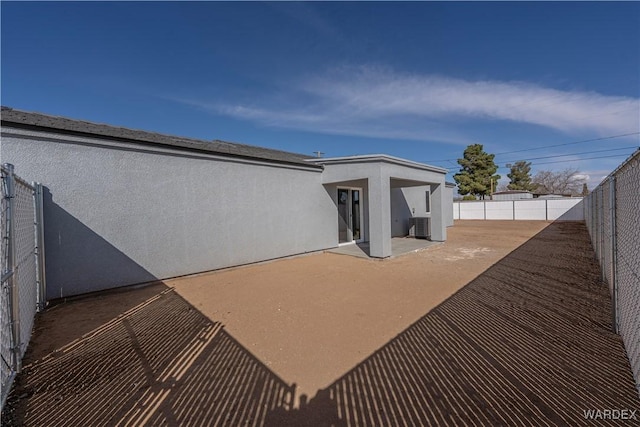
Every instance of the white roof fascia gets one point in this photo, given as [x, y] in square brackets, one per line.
[372, 158]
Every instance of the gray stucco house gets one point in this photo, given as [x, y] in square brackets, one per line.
[125, 206]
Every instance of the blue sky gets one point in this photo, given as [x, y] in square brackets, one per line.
[418, 80]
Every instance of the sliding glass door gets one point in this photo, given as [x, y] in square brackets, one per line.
[350, 215]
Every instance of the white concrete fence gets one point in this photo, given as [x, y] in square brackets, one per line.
[565, 209]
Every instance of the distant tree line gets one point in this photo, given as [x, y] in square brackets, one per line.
[477, 177]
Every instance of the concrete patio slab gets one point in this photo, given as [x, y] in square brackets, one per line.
[399, 246]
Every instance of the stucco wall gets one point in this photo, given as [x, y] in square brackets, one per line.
[383, 174]
[407, 202]
[449, 212]
[118, 214]
[400, 213]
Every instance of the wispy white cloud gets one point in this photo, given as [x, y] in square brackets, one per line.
[595, 177]
[337, 121]
[377, 102]
[582, 176]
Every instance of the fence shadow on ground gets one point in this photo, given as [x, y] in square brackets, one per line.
[160, 363]
[528, 342]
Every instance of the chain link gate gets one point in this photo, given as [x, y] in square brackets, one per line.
[612, 213]
[23, 279]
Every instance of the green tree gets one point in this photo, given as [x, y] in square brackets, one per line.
[477, 172]
[520, 176]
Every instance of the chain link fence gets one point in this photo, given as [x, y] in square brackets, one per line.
[23, 279]
[612, 213]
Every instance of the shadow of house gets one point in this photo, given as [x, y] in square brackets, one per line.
[400, 213]
[528, 342]
[160, 363]
[74, 252]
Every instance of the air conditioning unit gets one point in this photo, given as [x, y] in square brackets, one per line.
[420, 227]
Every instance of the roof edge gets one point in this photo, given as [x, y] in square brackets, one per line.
[368, 158]
[16, 118]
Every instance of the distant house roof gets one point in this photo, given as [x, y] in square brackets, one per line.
[37, 121]
[541, 191]
[512, 192]
[553, 196]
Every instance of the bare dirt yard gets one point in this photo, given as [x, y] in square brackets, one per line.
[311, 318]
[506, 323]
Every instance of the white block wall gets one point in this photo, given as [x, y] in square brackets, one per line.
[566, 209]
[530, 209]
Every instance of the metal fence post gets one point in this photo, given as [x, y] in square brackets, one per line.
[614, 250]
[592, 209]
[596, 222]
[601, 236]
[14, 296]
[41, 276]
[594, 225]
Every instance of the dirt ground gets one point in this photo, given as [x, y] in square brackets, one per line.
[373, 338]
[312, 318]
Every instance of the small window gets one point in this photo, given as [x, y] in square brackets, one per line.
[428, 201]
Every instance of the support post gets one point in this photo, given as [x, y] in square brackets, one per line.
[380, 216]
[601, 228]
[14, 295]
[594, 212]
[41, 276]
[546, 210]
[438, 212]
[614, 251]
